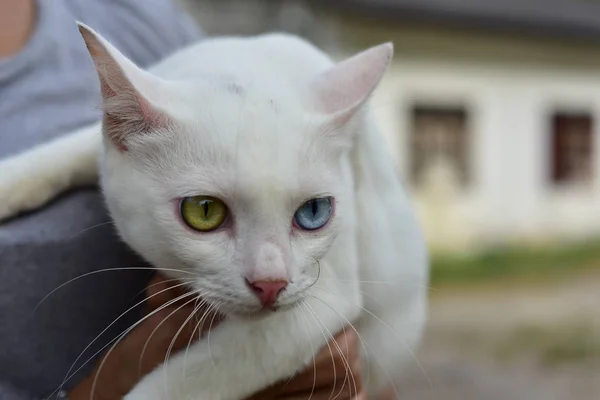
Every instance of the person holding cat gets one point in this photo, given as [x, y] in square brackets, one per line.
[47, 86]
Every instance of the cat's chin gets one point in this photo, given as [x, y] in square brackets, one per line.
[252, 316]
[258, 313]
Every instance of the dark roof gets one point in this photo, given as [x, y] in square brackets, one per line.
[561, 18]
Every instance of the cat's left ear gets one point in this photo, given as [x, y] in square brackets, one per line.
[128, 93]
[342, 89]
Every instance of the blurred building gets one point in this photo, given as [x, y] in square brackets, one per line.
[491, 107]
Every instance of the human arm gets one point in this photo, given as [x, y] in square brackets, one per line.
[146, 30]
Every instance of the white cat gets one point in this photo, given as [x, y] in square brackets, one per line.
[253, 164]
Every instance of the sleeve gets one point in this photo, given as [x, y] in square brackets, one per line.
[8, 392]
[146, 31]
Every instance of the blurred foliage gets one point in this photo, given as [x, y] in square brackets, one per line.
[515, 261]
[571, 342]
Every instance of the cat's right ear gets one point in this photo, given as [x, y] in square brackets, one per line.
[341, 90]
[127, 92]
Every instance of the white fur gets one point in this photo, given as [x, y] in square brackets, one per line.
[30, 180]
[264, 124]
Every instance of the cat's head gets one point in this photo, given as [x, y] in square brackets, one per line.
[235, 187]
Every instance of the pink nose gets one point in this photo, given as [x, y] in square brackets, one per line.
[267, 291]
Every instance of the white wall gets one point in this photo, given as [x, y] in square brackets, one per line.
[509, 107]
[508, 104]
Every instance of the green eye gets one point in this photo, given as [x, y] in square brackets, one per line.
[203, 213]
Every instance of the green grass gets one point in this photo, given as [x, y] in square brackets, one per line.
[569, 343]
[515, 262]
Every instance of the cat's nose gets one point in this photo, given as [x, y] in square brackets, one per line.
[267, 291]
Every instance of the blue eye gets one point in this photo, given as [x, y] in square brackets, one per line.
[314, 214]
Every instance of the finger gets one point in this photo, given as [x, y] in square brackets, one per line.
[326, 375]
[345, 342]
[209, 320]
[157, 291]
[388, 393]
[164, 333]
[206, 317]
[335, 365]
[325, 393]
[161, 290]
[342, 353]
[164, 324]
[182, 324]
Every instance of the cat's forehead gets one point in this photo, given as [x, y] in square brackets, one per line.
[257, 143]
[240, 120]
[254, 104]
[257, 161]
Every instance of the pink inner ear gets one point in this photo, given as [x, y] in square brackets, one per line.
[127, 119]
[347, 85]
[129, 114]
[126, 111]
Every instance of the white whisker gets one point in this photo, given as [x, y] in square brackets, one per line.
[106, 329]
[118, 338]
[327, 340]
[351, 325]
[90, 228]
[345, 362]
[199, 324]
[130, 329]
[390, 329]
[154, 331]
[215, 308]
[312, 350]
[162, 282]
[135, 268]
[168, 354]
[395, 283]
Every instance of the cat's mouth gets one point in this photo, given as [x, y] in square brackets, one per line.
[256, 315]
[237, 302]
[252, 312]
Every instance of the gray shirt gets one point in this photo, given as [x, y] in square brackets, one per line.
[48, 89]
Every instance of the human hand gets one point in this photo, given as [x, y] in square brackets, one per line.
[337, 369]
[146, 346]
[334, 374]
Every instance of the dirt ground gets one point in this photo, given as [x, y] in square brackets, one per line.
[526, 341]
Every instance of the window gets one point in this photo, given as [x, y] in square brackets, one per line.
[572, 148]
[439, 138]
